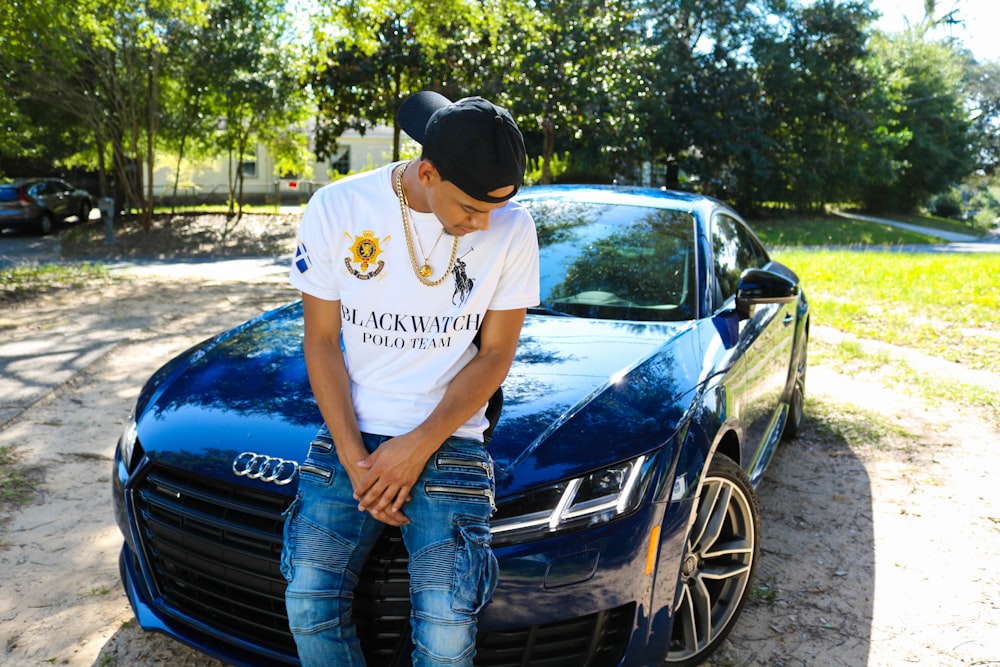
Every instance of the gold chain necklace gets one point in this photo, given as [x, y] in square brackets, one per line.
[422, 271]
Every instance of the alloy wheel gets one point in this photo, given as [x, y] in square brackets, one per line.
[718, 566]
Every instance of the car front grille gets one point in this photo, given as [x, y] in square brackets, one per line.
[214, 551]
[595, 640]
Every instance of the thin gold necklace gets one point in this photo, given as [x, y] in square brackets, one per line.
[423, 271]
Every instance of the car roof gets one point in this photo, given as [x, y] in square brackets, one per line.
[624, 195]
[24, 180]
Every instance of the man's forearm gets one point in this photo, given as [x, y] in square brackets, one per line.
[332, 389]
[473, 386]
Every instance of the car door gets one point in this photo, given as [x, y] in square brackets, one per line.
[45, 194]
[60, 195]
[765, 341]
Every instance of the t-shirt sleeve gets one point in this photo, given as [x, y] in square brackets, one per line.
[312, 269]
[518, 286]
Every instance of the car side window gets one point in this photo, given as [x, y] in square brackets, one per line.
[736, 250]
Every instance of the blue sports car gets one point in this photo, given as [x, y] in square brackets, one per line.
[651, 387]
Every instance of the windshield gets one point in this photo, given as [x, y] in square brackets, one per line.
[615, 262]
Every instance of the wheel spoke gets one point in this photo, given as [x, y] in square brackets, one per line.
[738, 547]
[702, 603]
[717, 518]
[709, 499]
[686, 616]
[723, 572]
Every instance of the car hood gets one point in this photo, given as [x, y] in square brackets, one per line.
[581, 393]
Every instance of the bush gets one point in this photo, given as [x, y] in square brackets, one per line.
[947, 205]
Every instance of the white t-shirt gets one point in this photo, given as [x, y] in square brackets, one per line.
[405, 341]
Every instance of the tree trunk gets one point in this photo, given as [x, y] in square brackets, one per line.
[548, 148]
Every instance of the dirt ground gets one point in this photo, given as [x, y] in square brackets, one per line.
[881, 523]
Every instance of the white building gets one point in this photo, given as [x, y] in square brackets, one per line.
[202, 182]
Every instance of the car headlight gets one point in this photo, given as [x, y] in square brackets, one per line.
[127, 441]
[573, 504]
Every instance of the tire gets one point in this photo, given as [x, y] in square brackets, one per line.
[796, 407]
[719, 564]
[46, 224]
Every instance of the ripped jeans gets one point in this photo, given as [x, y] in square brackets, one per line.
[452, 569]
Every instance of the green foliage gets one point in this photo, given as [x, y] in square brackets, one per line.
[701, 105]
[576, 77]
[982, 192]
[756, 100]
[927, 101]
[982, 85]
[947, 204]
[820, 104]
[558, 165]
[20, 282]
[368, 56]
[255, 94]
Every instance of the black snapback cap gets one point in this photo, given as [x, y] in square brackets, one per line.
[472, 142]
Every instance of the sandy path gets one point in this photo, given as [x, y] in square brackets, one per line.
[877, 550]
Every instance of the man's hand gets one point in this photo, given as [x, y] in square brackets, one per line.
[390, 473]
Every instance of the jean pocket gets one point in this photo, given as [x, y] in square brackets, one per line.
[318, 466]
[476, 570]
[464, 463]
[288, 541]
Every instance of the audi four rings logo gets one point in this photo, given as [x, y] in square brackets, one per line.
[265, 468]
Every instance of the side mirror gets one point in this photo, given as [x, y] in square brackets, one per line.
[760, 286]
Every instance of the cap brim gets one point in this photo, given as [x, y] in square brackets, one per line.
[416, 111]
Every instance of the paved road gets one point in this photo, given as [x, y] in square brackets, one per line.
[956, 242]
[18, 249]
[952, 237]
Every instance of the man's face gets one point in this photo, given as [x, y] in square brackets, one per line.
[458, 212]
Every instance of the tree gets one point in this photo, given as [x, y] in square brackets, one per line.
[254, 92]
[821, 103]
[39, 126]
[983, 94]
[98, 69]
[928, 104]
[357, 89]
[576, 77]
[187, 123]
[370, 55]
[703, 108]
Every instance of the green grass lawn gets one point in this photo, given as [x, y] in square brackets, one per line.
[944, 304]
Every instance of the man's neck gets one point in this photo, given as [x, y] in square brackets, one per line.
[416, 194]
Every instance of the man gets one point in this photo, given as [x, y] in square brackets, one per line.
[423, 271]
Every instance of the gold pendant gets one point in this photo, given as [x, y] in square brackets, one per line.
[425, 270]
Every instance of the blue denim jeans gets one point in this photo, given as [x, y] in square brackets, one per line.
[452, 569]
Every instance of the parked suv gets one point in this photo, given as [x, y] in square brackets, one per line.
[40, 203]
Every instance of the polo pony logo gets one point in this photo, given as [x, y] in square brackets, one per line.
[463, 283]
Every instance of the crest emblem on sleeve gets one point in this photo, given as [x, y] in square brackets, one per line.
[363, 263]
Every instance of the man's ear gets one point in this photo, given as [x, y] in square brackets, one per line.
[427, 173]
